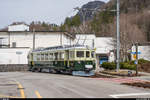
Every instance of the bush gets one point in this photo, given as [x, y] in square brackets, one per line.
[142, 61]
[124, 65]
[109, 65]
[127, 66]
[112, 66]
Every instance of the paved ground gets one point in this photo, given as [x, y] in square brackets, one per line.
[45, 85]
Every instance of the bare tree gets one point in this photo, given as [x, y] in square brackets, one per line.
[129, 35]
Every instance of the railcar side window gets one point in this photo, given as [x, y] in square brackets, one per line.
[92, 54]
[61, 55]
[38, 57]
[56, 56]
[46, 56]
[42, 56]
[87, 54]
[51, 56]
[34, 57]
[80, 53]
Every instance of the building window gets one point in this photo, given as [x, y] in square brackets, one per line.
[13, 44]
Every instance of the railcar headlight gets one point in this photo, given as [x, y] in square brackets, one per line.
[79, 62]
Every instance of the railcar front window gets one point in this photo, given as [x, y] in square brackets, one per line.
[87, 54]
[92, 54]
[80, 54]
[71, 54]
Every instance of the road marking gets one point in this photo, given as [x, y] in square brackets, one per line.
[8, 96]
[122, 80]
[38, 94]
[21, 90]
[129, 94]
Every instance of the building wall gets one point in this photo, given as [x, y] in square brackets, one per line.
[25, 39]
[42, 39]
[67, 40]
[20, 27]
[11, 56]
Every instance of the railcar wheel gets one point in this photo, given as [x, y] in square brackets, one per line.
[40, 70]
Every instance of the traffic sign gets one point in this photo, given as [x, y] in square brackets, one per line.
[135, 52]
[134, 56]
[135, 62]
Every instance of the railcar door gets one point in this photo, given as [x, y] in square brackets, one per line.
[67, 57]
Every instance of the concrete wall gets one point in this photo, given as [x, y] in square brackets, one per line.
[144, 50]
[4, 37]
[42, 39]
[20, 27]
[11, 56]
[13, 67]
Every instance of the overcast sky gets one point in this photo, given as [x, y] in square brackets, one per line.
[52, 11]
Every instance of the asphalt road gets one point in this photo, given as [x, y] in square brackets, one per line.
[45, 85]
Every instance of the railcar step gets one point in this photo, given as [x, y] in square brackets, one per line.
[83, 73]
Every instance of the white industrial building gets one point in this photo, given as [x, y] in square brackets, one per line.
[13, 55]
[14, 42]
[18, 27]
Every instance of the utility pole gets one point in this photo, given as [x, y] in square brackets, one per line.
[136, 59]
[33, 38]
[118, 35]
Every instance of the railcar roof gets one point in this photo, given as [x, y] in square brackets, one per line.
[65, 47]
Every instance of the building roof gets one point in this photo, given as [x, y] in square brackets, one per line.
[18, 23]
[61, 32]
[64, 47]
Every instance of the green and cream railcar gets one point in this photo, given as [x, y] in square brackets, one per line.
[76, 60]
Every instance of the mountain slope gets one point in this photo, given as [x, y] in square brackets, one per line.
[88, 10]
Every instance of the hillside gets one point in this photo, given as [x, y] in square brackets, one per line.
[89, 10]
[134, 23]
[134, 19]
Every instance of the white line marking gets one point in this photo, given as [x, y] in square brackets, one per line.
[129, 94]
